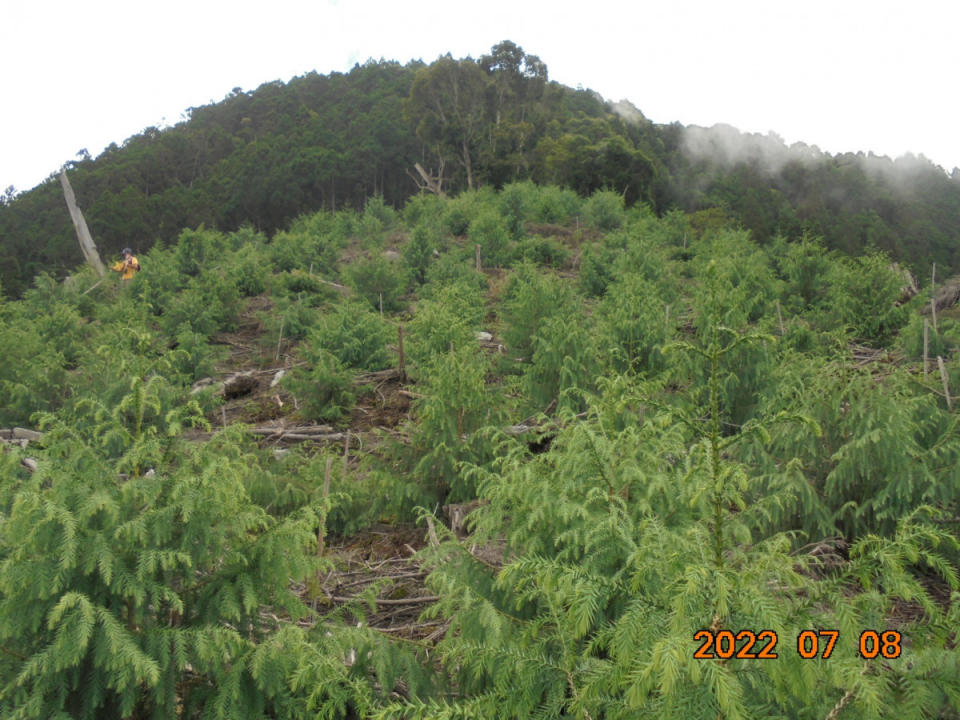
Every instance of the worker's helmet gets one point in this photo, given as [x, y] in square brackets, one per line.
[126, 251]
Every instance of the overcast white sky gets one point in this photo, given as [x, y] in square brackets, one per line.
[845, 75]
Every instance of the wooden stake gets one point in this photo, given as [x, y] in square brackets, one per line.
[346, 453]
[403, 372]
[322, 529]
[276, 357]
[479, 268]
[933, 310]
[326, 477]
[926, 346]
[946, 384]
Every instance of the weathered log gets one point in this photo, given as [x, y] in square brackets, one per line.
[20, 433]
[87, 245]
[946, 296]
[20, 436]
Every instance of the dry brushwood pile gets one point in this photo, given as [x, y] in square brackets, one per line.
[377, 580]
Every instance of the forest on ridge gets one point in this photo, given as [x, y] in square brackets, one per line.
[265, 156]
[585, 418]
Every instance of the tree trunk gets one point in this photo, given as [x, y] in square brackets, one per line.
[83, 233]
[468, 165]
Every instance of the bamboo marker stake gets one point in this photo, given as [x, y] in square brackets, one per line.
[92, 287]
[933, 310]
[946, 385]
[780, 318]
[276, 357]
[926, 346]
[403, 372]
[346, 453]
[479, 268]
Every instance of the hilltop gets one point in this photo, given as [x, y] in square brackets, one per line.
[264, 157]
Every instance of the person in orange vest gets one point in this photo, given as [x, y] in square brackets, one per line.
[128, 266]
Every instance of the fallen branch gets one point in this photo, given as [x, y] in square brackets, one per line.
[388, 601]
[388, 374]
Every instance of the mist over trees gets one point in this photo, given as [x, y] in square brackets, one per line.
[266, 156]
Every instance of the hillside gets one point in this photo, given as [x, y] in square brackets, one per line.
[261, 158]
[513, 453]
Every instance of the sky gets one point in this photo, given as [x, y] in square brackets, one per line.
[843, 75]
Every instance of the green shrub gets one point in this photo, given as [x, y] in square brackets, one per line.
[942, 341]
[516, 205]
[563, 366]
[425, 240]
[423, 207]
[864, 296]
[453, 268]
[126, 598]
[325, 390]
[198, 250]
[209, 304]
[456, 218]
[32, 374]
[356, 335]
[806, 269]
[604, 210]
[378, 210]
[557, 206]
[378, 280]
[530, 299]
[542, 251]
[490, 232]
[597, 268]
[291, 319]
[463, 209]
[633, 322]
[455, 404]
[249, 270]
[451, 317]
[311, 247]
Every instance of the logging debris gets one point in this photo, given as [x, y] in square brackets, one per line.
[947, 295]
